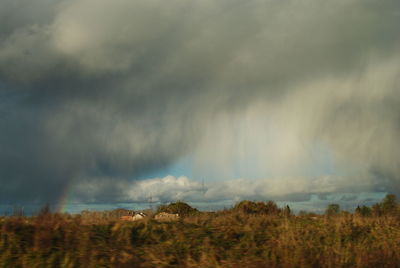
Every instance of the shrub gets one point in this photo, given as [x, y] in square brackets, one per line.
[388, 206]
[332, 209]
[363, 211]
[249, 207]
[178, 207]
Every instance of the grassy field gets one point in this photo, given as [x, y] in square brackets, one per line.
[248, 235]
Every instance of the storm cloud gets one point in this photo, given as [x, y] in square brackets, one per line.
[97, 93]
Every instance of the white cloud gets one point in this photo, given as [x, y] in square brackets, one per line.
[170, 188]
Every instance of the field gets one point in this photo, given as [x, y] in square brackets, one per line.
[248, 235]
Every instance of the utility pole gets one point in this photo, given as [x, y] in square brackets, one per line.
[203, 188]
[151, 201]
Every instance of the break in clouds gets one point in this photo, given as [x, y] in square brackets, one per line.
[301, 95]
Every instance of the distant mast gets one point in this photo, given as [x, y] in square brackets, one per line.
[151, 201]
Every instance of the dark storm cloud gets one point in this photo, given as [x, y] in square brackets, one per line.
[95, 91]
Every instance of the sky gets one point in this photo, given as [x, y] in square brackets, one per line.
[113, 101]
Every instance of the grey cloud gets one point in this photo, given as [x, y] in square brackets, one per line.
[95, 88]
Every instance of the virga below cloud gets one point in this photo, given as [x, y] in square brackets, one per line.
[94, 89]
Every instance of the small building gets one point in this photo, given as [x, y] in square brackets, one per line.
[164, 216]
[133, 216]
[139, 216]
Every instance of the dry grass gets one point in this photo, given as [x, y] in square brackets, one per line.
[230, 238]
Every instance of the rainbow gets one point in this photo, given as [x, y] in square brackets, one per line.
[63, 201]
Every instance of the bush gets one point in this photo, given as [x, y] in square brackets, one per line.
[332, 209]
[178, 207]
[388, 206]
[249, 207]
[363, 211]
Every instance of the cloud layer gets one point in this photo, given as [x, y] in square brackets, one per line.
[171, 189]
[97, 91]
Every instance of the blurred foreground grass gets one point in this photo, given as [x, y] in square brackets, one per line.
[248, 235]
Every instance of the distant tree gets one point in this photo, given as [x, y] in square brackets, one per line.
[388, 206]
[377, 209]
[332, 209]
[271, 207]
[250, 207]
[287, 211]
[178, 207]
[45, 210]
[363, 211]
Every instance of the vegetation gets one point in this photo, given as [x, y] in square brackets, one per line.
[178, 207]
[251, 234]
[332, 209]
[363, 211]
[248, 207]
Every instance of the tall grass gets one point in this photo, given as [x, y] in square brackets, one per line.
[244, 236]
